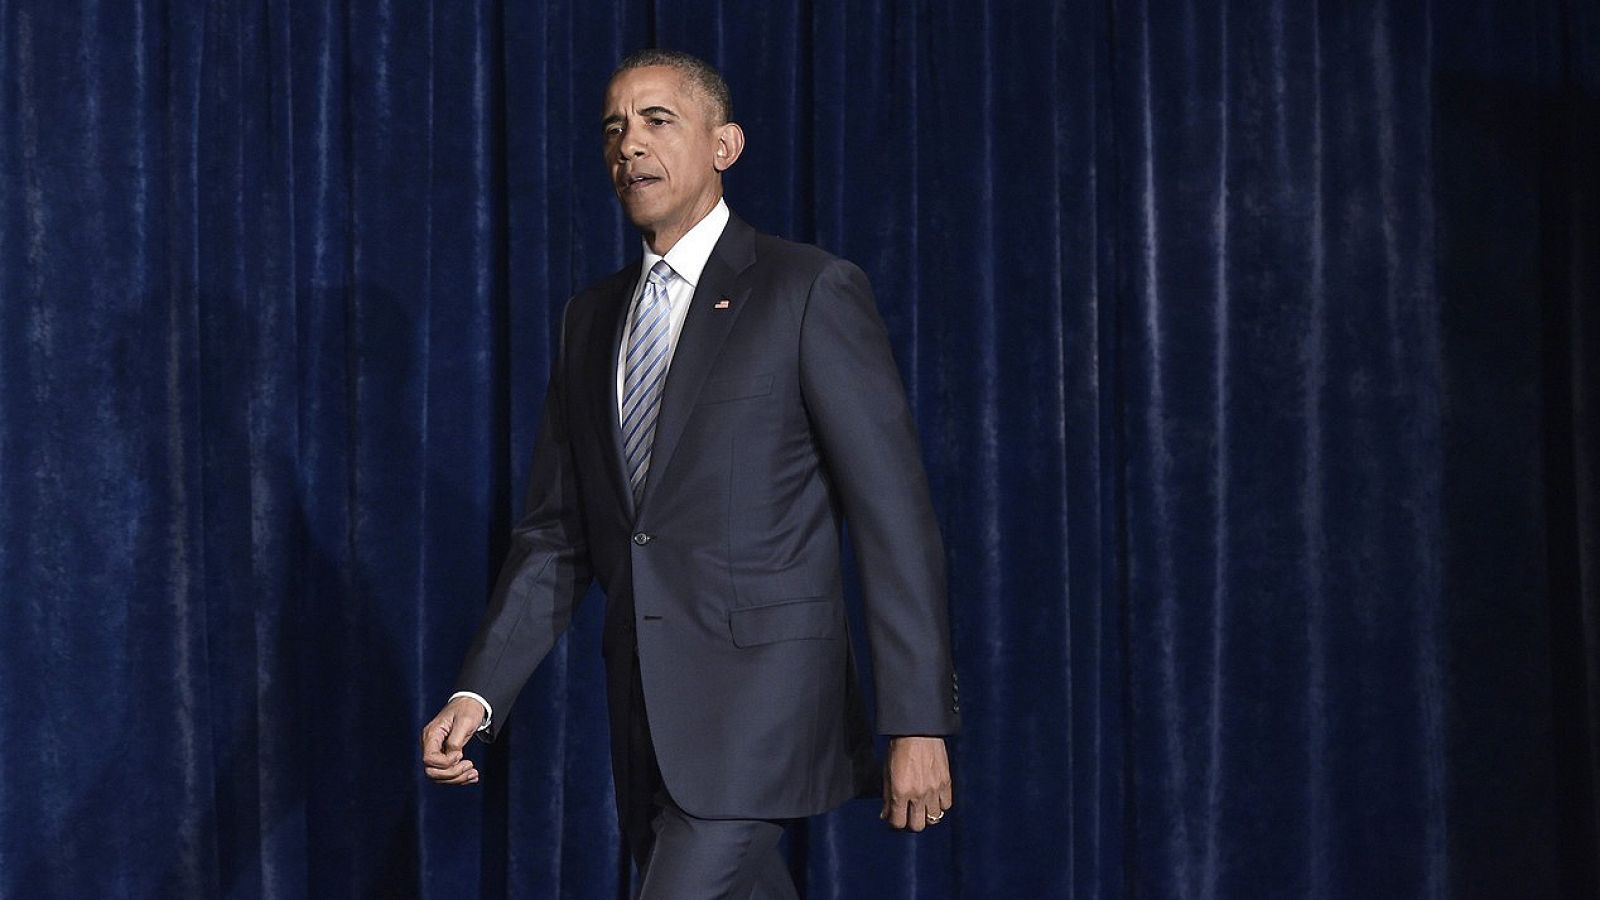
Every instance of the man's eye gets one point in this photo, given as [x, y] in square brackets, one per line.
[658, 121]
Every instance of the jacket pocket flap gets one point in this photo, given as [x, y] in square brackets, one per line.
[721, 390]
[790, 620]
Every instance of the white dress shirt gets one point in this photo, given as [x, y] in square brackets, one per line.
[688, 258]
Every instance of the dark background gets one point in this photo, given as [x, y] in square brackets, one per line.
[1253, 346]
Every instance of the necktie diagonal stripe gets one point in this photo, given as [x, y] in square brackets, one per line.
[645, 374]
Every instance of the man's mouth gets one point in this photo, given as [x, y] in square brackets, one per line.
[634, 182]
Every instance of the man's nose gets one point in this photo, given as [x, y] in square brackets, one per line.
[631, 145]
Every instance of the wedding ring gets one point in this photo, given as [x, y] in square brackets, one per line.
[933, 819]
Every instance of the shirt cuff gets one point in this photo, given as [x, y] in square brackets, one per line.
[488, 711]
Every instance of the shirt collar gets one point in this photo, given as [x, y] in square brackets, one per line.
[688, 257]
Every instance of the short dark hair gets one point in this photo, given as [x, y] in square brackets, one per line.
[700, 73]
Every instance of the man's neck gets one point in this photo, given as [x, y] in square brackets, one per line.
[662, 240]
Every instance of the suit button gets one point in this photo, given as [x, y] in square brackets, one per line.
[642, 538]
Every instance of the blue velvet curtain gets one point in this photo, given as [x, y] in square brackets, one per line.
[1253, 346]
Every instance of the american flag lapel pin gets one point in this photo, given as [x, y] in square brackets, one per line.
[724, 303]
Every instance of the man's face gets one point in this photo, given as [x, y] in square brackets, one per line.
[664, 150]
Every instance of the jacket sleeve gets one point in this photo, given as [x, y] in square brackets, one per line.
[857, 407]
[546, 571]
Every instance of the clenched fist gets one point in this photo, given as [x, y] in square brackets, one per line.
[916, 783]
[444, 738]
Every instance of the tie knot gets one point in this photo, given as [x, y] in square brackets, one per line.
[661, 273]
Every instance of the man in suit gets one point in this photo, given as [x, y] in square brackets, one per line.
[716, 411]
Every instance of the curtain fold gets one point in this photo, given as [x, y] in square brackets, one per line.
[1252, 347]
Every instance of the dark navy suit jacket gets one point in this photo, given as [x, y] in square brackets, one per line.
[782, 417]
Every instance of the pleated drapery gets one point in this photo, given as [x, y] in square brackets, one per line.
[1253, 348]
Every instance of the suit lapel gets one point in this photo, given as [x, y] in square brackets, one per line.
[704, 330]
[604, 376]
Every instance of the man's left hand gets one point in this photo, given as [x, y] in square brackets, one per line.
[916, 783]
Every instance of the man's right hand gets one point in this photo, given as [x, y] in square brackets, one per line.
[444, 738]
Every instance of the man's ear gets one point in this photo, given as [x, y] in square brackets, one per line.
[730, 143]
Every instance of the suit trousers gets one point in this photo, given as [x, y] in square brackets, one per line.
[681, 857]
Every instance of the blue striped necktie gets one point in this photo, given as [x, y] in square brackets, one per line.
[644, 373]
